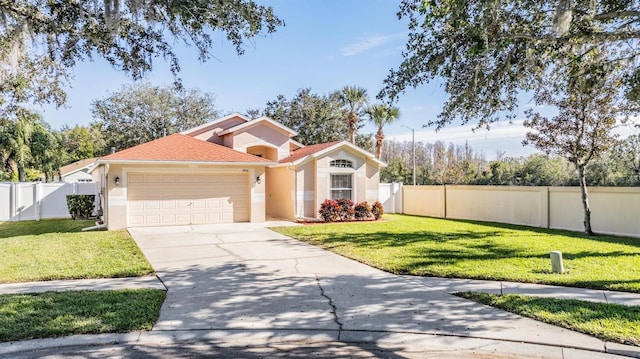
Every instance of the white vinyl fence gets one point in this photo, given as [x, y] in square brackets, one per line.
[35, 200]
[390, 195]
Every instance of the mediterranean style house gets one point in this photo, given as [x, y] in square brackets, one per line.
[233, 169]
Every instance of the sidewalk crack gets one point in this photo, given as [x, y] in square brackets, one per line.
[333, 307]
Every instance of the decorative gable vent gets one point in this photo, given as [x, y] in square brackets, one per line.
[341, 164]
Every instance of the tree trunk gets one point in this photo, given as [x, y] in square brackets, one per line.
[379, 143]
[353, 127]
[585, 201]
[21, 174]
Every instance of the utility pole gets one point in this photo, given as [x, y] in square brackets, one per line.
[413, 149]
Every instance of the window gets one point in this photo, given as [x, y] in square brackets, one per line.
[341, 164]
[341, 186]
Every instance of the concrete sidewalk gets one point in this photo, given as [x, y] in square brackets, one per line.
[149, 282]
[448, 285]
[453, 285]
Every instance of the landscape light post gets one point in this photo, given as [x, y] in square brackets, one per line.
[413, 149]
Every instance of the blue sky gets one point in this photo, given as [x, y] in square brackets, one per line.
[325, 45]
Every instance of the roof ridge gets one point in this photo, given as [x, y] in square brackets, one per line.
[180, 147]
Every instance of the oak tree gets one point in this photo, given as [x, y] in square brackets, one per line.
[130, 35]
[142, 112]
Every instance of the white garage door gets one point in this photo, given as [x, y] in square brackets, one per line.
[164, 199]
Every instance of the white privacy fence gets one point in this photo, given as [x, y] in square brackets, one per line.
[390, 195]
[35, 200]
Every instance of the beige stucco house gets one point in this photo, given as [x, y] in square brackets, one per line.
[233, 169]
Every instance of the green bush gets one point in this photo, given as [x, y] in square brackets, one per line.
[80, 205]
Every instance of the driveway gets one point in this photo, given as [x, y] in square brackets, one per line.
[244, 282]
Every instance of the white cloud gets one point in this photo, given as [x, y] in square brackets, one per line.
[369, 43]
[503, 135]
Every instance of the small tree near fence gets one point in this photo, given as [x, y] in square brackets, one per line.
[80, 205]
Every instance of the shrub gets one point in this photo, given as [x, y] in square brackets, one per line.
[346, 209]
[362, 211]
[377, 210]
[329, 210]
[80, 205]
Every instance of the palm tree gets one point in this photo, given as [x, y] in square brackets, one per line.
[16, 135]
[381, 115]
[354, 98]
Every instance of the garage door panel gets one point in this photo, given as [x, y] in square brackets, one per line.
[135, 220]
[168, 205]
[183, 218]
[178, 199]
[169, 218]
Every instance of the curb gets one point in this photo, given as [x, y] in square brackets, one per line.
[391, 340]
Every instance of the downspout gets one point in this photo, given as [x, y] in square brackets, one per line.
[105, 198]
[295, 191]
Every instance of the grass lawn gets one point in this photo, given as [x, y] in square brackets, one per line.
[58, 249]
[52, 314]
[447, 248]
[612, 322]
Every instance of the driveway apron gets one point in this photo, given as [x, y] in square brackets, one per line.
[246, 277]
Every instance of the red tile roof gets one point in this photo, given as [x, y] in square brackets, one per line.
[306, 151]
[179, 147]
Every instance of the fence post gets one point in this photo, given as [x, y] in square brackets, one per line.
[392, 193]
[36, 200]
[544, 207]
[12, 201]
[399, 199]
[444, 199]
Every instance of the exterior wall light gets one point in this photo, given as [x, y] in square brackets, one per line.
[258, 180]
[117, 181]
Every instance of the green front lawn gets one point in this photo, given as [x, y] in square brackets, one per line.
[58, 249]
[613, 322]
[53, 314]
[447, 248]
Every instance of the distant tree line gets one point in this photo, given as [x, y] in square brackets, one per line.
[30, 149]
[438, 163]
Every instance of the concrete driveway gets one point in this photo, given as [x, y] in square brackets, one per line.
[243, 282]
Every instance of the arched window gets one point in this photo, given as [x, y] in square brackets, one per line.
[341, 164]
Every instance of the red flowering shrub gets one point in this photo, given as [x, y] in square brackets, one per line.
[377, 210]
[329, 210]
[346, 209]
[362, 211]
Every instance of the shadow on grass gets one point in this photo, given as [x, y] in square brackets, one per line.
[546, 231]
[34, 228]
[606, 321]
[473, 245]
[480, 250]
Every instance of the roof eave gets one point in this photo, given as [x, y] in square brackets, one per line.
[69, 173]
[216, 121]
[251, 123]
[178, 162]
[323, 152]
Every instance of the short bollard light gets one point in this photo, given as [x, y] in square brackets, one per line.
[556, 262]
